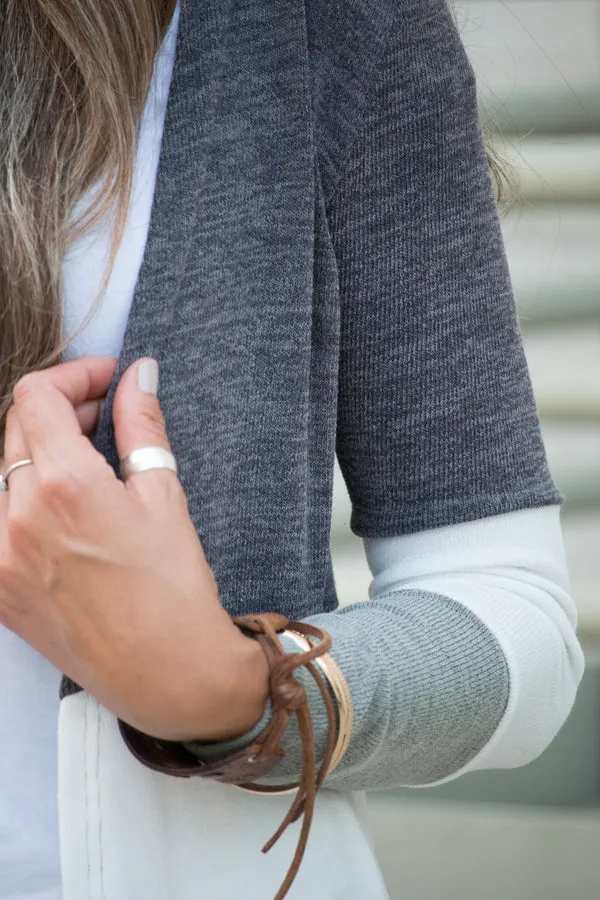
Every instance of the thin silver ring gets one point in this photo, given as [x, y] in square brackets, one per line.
[16, 465]
[145, 458]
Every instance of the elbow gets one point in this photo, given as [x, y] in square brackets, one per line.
[549, 699]
[546, 664]
[545, 674]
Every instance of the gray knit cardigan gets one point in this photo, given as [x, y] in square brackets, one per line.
[325, 274]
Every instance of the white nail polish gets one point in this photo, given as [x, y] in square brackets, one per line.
[148, 376]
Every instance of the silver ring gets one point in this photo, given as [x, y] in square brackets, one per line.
[145, 458]
[4, 478]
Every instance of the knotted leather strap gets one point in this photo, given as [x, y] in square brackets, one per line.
[287, 696]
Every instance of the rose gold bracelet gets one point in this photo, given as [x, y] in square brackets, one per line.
[341, 691]
[345, 712]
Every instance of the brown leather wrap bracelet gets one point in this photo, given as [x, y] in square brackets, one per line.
[287, 696]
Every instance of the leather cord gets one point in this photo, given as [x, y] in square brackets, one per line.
[287, 696]
[240, 767]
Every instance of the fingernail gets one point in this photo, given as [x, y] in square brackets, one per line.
[148, 376]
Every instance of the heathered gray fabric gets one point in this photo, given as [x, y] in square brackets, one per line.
[325, 273]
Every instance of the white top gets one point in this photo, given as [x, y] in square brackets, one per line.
[509, 569]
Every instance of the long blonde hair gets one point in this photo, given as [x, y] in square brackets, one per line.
[74, 75]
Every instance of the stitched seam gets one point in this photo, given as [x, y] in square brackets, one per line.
[370, 94]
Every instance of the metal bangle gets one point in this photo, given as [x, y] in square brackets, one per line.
[345, 715]
[341, 691]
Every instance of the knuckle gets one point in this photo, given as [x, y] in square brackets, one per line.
[20, 531]
[153, 419]
[60, 489]
[25, 385]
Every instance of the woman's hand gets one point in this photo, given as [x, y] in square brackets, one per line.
[108, 579]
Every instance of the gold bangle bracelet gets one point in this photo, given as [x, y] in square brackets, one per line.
[337, 680]
[345, 712]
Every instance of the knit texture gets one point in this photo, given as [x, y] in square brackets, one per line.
[325, 273]
[436, 418]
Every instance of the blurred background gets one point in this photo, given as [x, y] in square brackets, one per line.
[532, 832]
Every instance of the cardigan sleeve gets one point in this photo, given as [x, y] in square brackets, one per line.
[438, 440]
[436, 419]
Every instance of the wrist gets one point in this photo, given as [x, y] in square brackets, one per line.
[236, 700]
[247, 691]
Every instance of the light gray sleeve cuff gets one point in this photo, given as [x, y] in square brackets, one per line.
[429, 685]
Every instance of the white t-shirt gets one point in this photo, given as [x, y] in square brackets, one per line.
[468, 562]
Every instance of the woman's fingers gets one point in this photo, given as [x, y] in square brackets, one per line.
[88, 414]
[22, 478]
[45, 404]
[139, 422]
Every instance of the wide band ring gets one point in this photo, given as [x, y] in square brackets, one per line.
[145, 458]
[15, 465]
